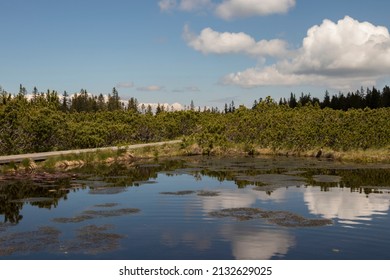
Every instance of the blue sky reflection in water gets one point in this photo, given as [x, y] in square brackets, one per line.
[95, 218]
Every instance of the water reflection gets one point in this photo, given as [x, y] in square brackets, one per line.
[15, 194]
[164, 206]
[251, 243]
[240, 198]
[199, 241]
[344, 204]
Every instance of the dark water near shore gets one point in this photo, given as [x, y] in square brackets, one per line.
[170, 209]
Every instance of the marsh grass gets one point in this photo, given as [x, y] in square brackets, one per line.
[161, 151]
[85, 158]
[124, 154]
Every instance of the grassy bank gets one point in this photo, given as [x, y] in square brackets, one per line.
[363, 156]
[188, 148]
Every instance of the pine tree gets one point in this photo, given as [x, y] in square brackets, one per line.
[132, 105]
[292, 102]
[64, 105]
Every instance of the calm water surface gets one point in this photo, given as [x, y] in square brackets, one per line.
[163, 209]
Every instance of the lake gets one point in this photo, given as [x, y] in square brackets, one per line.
[199, 208]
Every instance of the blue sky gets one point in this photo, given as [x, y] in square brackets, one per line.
[208, 51]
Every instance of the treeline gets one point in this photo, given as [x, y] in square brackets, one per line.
[86, 102]
[47, 122]
[370, 98]
[78, 102]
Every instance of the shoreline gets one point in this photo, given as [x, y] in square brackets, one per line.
[130, 154]
[380, 155]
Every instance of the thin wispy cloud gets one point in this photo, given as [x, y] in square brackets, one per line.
[167, 5]
[184, 5]
[230, 9]
[151, 88]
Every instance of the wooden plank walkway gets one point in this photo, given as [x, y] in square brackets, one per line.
[45, 155]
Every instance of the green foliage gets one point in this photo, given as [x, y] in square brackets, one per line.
[25, 163]
[43, 124]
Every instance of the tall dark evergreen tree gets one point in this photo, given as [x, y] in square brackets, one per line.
[65, 102]
[132, 105]
[385, 98]
[114, 102]
[292, 102]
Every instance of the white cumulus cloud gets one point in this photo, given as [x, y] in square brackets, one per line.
[230, 9]
[210, 41]
[345, 54]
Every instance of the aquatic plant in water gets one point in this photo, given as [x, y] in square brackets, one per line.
[178, 193]
[92, 214]
[93, 240]
[208, 193]
[281, 218]
[42, 239]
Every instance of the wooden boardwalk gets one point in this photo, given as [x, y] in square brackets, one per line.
[43, 156]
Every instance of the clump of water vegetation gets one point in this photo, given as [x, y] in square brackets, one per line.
[93, 214]
[208, 193]
[91, 240]
[106, 205]
[281, 218]
[42, 239]
[187, 192]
